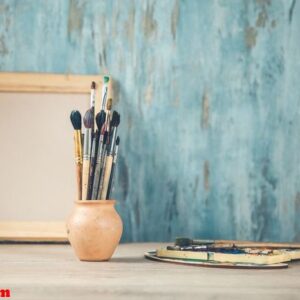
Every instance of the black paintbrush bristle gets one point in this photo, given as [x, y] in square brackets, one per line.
[115, 120]
[76, 119]
[88, 119]
[100, 119]
[118, 120]
[118, 141]
[93, 86]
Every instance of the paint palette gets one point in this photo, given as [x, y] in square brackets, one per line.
[220, 254]
[212, 264]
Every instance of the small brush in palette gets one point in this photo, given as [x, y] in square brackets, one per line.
[96, 147]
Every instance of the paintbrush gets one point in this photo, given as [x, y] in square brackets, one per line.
[115, 121]
[93, 136]
[110, 185]
[92, 98]
[103, 164]
[104, 154]
[94, 141]
[183, 242]
[76, 122]
[93, 94]
[88, 122]
[100, 121]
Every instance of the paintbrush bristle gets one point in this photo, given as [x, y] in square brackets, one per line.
[106, 79]
[119, 120]
[76, 119]
[118, 141]
[93, 85]
[115, 120]
[100, 119]
[109, 104]
[88, 119]
[182, 242]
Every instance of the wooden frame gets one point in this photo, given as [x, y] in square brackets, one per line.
[48, 83]
[44, 83]
[33, 232]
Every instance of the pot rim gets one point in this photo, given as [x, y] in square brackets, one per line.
[101, 202]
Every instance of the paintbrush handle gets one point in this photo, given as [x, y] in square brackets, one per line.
[96, 181]
[93, 165]
[245, 244]
[79, 181]
[103, 164]
[78, 161]
[97, 174]
[110, 184]
[85, 178]
[107, 171]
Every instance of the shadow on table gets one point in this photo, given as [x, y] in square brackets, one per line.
[128, 259]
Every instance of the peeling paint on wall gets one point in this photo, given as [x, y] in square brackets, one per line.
[149, 23]
[175, 18]
[75, 17]
[262, 18]
[205, 110]
[291, 10]
[250, 37]
[206, 175]
[130, 26]
[3, 48]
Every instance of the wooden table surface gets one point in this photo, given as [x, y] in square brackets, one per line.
[52, 272]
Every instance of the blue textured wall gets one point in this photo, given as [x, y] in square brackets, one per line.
[209, 93]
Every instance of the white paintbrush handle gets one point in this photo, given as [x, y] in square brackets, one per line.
[107, 171]
[85, 178]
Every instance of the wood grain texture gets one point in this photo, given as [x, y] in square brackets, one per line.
[33, 231]
[209, 98]
[45, 272]
[48, 83]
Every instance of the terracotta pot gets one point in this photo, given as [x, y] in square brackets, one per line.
[94, 229]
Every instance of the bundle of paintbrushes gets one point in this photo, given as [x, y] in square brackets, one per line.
[96, 149]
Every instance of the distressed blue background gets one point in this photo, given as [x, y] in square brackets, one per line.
[209, 93]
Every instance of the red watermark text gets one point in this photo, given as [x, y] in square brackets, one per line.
[4, 293]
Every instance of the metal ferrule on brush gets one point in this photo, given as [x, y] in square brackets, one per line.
[100, 147]
[116, 154]
[113, 141]
[87, 145]
[78, 148]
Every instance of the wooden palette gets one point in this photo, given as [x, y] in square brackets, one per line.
[152, 256]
